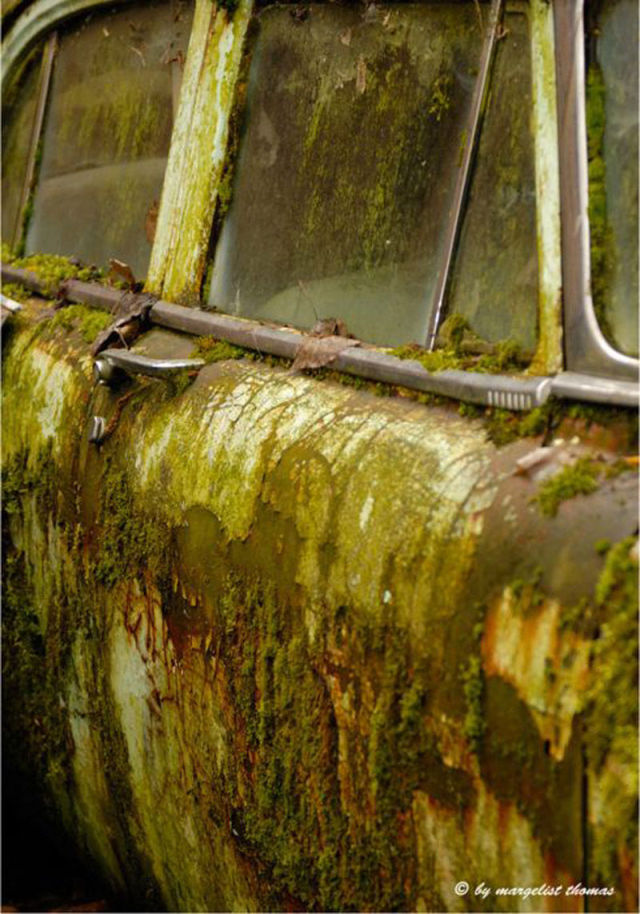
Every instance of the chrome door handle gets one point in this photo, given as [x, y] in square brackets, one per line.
[112, 364]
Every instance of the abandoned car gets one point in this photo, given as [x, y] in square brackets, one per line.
[320, 388]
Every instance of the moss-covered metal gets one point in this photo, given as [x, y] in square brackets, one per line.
[548, 358]
[262, 654]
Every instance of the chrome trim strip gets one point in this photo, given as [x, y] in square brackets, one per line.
[586, 349]
[573, 385]
[40, 17]
[504, 391]
[373, 364]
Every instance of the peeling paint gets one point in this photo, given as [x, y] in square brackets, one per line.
[256, 605]
[547, 666]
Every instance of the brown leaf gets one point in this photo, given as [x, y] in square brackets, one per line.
[131, 317]
[122, 270]
[361, 75]
[329, 326]
[318, 351]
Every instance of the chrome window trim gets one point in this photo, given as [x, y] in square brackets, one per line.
[586, 349]
[38, 18]
[503, 391]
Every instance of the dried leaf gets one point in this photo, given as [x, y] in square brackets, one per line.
[131, 318]
[361, 75]
[318, 351]
[122, 270]
[329, 326]
[324, 343]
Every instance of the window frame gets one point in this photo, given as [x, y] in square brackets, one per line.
[586, 349]
[594, 369]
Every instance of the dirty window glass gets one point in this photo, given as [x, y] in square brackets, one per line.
[495, 275]
[18, 117]
[350, 143]
[113, 98]
[612, 128]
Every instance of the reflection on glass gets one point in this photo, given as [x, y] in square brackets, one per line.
[18, 115]
[612, 122]
[495, 276]
[113, 97]
[350, 146]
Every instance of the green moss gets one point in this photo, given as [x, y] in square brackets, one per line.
[453, 331]
[472, 676]
[323, 812]
[602, 248]
[440, 101]
[7, 255]
[179, 382]
[129, 540]
[612, 711]
[579, 617]
[504, 426]
[16, 291]
[212, 350]
[470, 410]
[504, 356]
[439, 360]
[581, 478]
[52, 270]
[526, 592]
[88, 321]
[35, 726]
[24, 473]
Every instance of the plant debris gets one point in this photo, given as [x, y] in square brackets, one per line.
[132, 319]
[326, 340]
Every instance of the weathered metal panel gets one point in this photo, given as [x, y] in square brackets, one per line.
[281, 643]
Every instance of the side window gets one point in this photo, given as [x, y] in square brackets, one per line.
[18, 124]
[351, 129]
[495, 275]
[112, 101]
[612, 133]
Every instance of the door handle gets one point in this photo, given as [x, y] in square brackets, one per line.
[113, 364]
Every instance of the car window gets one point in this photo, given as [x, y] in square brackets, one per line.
[353, 124]
[112, 102]
[612, 128]
[495, 274]
[18, 120]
